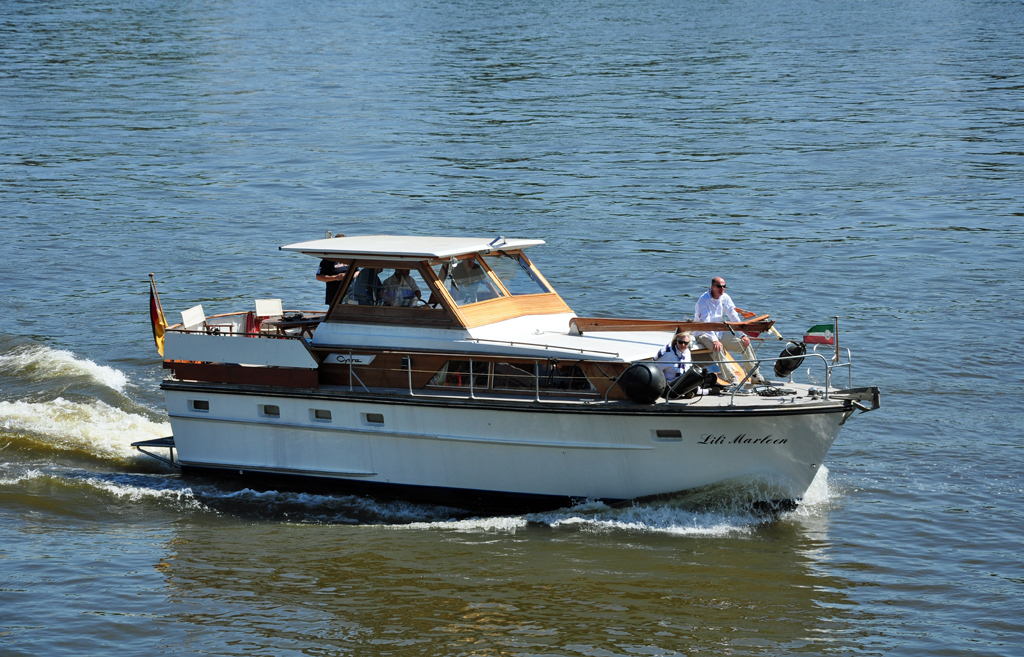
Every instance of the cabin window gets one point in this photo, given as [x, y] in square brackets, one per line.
[320, 414]
[270, 410]
[455, 373]
[373, 418]
[467, 281]
[667, 435]
[199, 404]
[395, 288]
[549, 377]
[515, 274]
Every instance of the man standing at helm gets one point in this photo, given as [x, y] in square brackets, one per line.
[717, 306]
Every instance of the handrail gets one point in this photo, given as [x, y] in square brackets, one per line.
[243, 334]
[761, 324]
[174, 327]
[512, 343]
[848, 364]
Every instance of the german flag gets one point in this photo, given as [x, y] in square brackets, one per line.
[156, 316]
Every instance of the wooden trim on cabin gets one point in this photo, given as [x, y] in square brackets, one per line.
[386, 371]
[497, 310]
[288, 377]
[601, 324]
[416, 316]
[345, 282]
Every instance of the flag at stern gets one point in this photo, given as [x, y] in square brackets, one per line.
[156, 316]
[819, 334]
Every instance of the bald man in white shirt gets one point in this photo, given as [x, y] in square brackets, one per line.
[717, 306]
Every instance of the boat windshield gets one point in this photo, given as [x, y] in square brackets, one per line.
[467, 282]
[515, 274]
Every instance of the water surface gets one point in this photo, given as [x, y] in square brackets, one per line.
[859, 159]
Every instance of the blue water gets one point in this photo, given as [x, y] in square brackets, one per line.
[860, 159]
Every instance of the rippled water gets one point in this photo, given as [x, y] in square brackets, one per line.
[860, 159]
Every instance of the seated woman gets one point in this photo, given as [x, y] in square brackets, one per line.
[675, 358]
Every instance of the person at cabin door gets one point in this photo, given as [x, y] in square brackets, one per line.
[332, 273]
[717, 306]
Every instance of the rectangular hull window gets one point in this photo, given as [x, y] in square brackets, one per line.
[322, 415]
[374, 418]
[270, 410]
[199, 404]
[667, 435]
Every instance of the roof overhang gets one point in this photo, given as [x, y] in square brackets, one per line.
[404, 247]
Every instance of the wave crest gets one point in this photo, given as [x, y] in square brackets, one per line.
[38, 362]
[94, 427]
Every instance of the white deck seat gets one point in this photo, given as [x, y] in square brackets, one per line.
[194, 318]
[268, 308]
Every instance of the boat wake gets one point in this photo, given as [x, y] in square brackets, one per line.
[724, 510]
[678, 517]
[91, 429]
[41, 363]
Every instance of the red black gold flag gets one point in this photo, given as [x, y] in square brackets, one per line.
[156, 316]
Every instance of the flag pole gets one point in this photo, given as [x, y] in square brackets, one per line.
[157, 295]
[835, 332]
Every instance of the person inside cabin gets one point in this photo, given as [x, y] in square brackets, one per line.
[367, 288]
[674, 359]
[401, 290]
[717, 306]
[332, 273]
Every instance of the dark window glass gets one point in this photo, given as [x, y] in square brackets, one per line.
[455, 373]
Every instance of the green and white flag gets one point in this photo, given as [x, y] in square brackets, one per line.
[819, 334]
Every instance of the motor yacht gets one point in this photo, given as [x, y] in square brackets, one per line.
[448, 370]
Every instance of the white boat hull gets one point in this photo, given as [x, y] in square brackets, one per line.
[526, 450]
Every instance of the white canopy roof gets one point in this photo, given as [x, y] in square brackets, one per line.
[404, 246]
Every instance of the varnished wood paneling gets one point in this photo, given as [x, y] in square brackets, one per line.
[599, 324]
[255, 376]
[497, 310]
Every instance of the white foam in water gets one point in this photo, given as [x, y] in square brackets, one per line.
[501, 524]
[94, 426]
[649, 518]
[819, 491]
[136, 493]
[40, 362]
[818, 495]
[597, 517]
[19, 478]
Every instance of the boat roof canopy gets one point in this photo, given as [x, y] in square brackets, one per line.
[404, 246]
